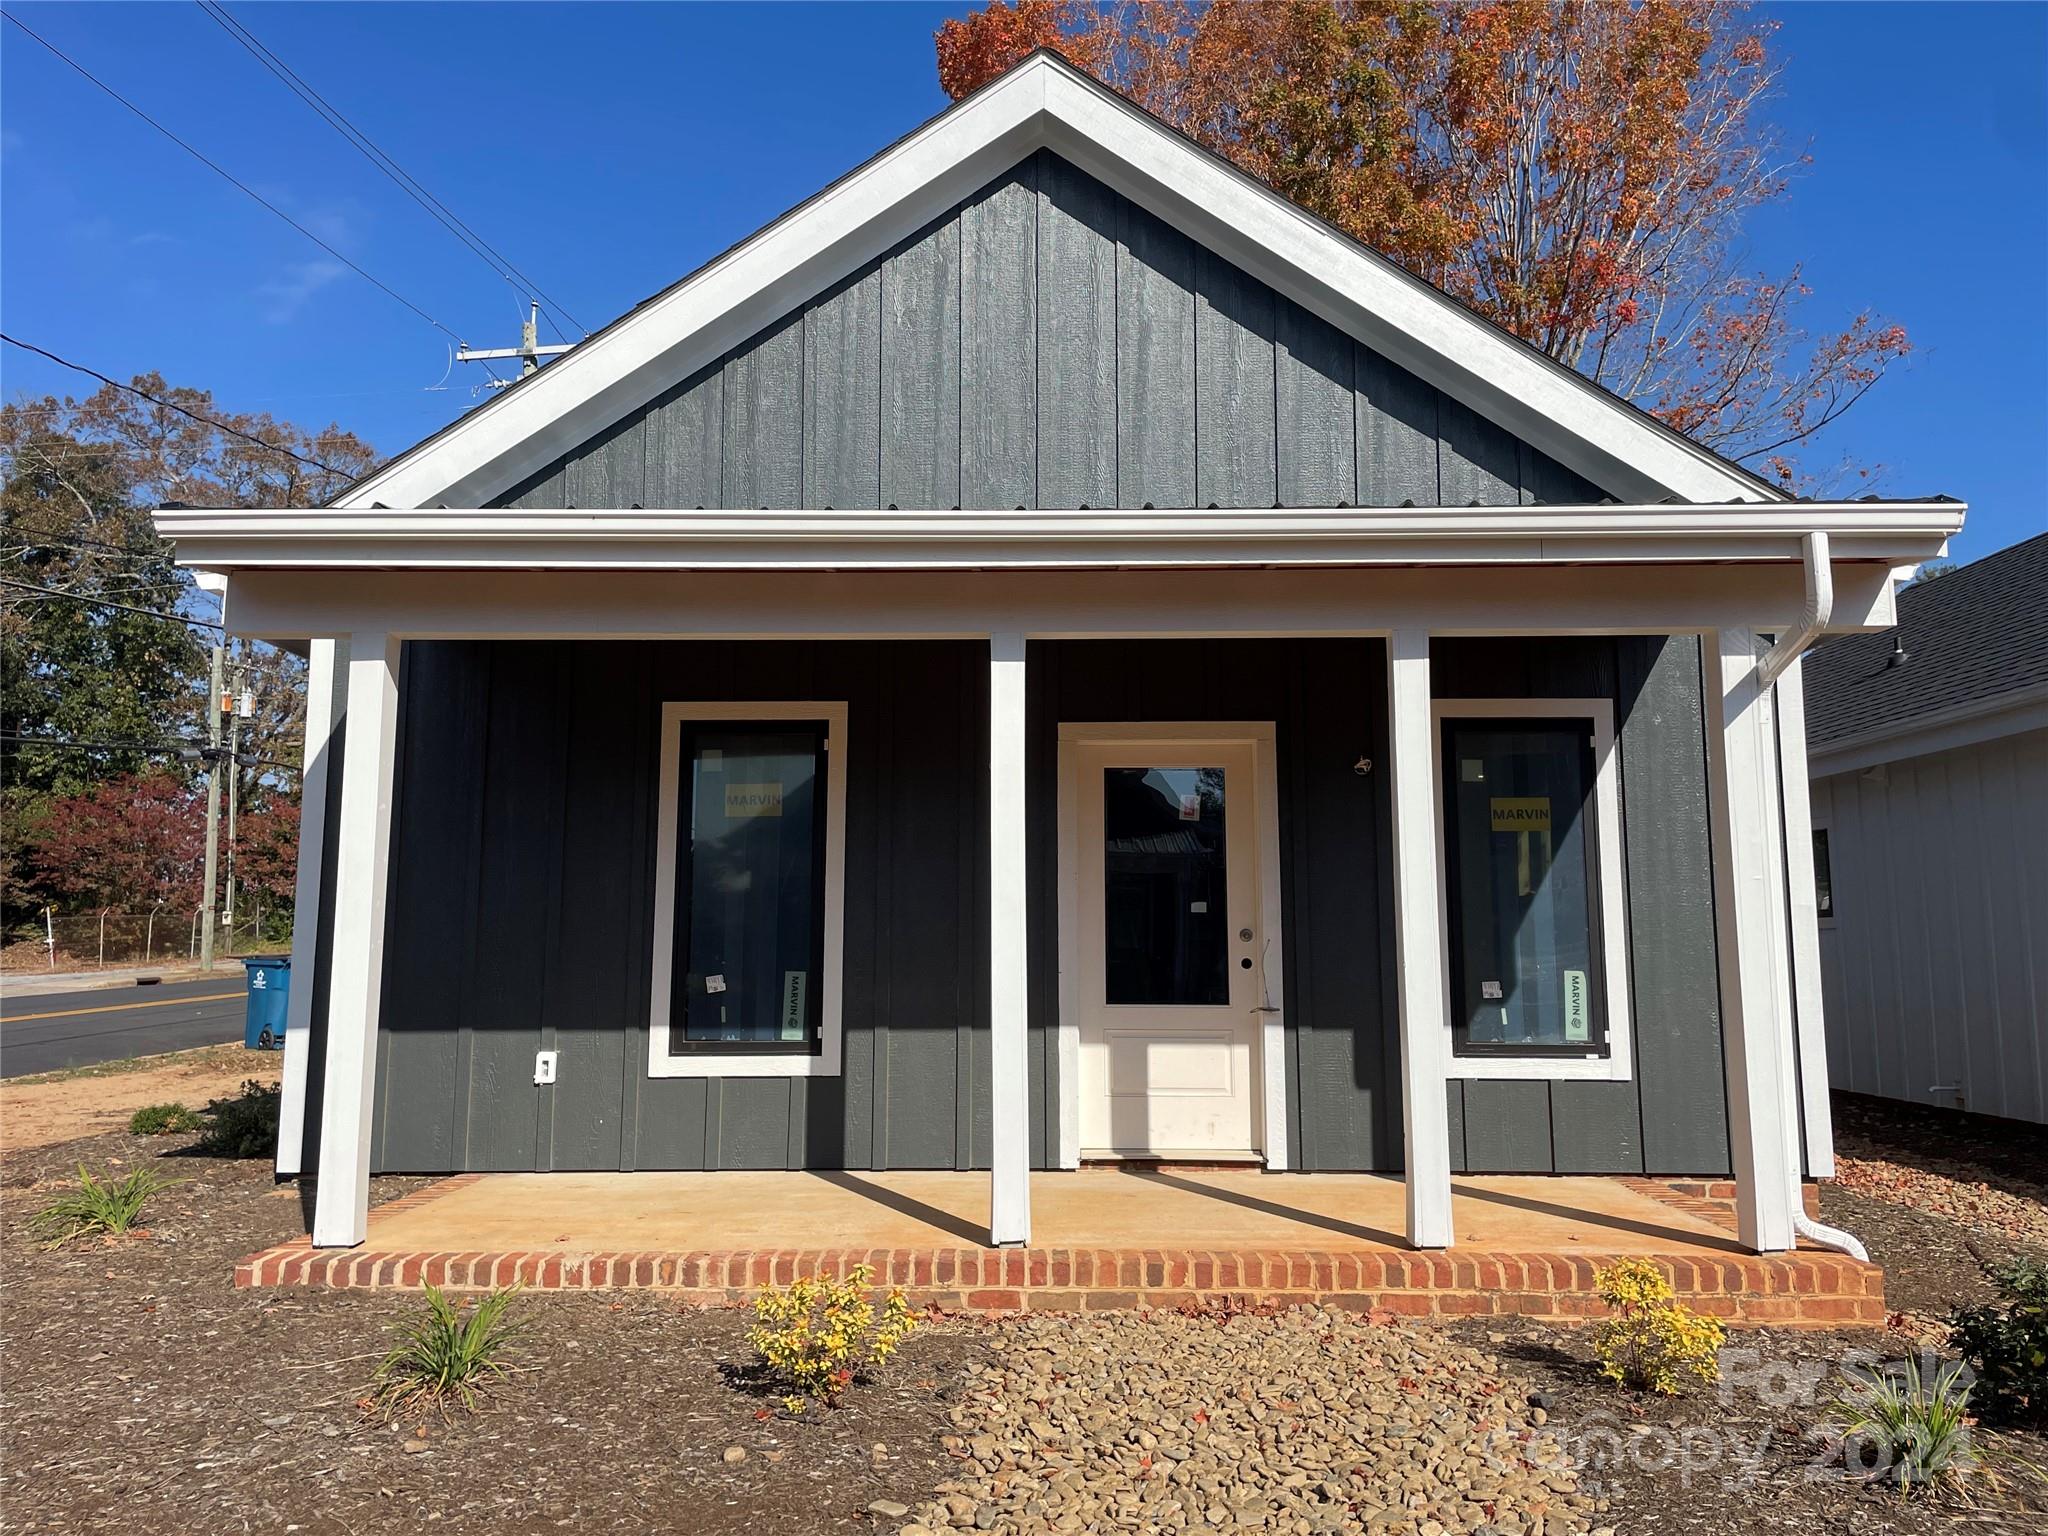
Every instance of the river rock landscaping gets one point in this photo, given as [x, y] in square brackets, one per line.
[1304, 1420]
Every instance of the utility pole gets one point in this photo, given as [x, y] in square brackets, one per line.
[529, 351]
[213, 756]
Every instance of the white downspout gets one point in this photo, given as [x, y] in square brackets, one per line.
[1819, 608]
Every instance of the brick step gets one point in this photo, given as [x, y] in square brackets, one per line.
[1804, 1289]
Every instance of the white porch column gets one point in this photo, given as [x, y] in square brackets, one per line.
[362, 855]
[1009, 1217]
[1419, 941]
[291, 1110]
[1742, 795]
[1811, 1075]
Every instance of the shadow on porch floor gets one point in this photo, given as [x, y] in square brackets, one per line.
[683, 1212]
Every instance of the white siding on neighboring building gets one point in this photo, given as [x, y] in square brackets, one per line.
[1935, 957]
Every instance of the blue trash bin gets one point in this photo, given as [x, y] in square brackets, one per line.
[270, 989]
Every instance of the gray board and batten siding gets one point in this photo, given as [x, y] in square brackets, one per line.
[1049, 343]
[521, 904]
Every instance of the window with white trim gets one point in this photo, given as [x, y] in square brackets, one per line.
[747, 890]
[1532, 888]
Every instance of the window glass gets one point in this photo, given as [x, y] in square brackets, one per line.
[1165, 914]
[750, 894]
[1519, 851]
[1823, 876]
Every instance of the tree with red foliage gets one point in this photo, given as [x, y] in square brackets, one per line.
[130, 842]
[1576, 170]
[267, 853]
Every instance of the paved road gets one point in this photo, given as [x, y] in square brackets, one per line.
[76, 1029]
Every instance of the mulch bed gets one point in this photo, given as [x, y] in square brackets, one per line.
[143, 1393]
[1749, 1455]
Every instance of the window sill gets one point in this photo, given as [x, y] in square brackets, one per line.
[745, 1064]
[1562, 1069]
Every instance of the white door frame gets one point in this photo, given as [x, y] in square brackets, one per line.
[1270, 1102]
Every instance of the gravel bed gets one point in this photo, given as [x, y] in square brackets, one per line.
[1302, 1421]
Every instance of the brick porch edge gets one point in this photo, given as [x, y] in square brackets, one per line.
[1807, 1289]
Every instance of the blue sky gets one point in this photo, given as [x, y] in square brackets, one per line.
[608, 149]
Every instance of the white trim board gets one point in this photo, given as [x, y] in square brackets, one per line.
[1260, 735]
[1968, 724]
[905, 605]
[1611, 873]
[490, 538]
[1045, 102]
[825, 1061]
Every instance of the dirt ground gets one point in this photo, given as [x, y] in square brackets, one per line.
[142, 1393]
[64, 1106]
[1752, 1454]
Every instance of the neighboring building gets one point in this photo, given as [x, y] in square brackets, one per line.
[1048, 652]
[1928, 749]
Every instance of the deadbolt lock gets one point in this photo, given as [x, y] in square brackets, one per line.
[1245, 934]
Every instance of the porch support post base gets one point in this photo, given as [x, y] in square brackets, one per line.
[1009, 1219]
[1749, 908]
[1419, 943]
[362, 856]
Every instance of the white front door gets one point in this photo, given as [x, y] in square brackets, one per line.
[1164, 894]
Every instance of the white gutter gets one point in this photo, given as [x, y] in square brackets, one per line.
[1820, 607]
[825, 539]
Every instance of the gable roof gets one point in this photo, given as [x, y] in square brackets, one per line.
[1045, 102]
[1970, 637]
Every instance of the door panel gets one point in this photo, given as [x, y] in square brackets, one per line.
[1165, 896]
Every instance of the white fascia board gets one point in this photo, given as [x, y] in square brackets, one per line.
[1967, 724]
[510, 538]
[1045, 102]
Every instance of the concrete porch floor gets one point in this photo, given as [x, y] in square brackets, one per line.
[1102, 1237]
[1094, 1208]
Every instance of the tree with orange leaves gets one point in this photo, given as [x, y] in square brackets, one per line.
[1576, 170]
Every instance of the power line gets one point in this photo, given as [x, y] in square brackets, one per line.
[228, 178]
[172, 405]
[203, 753]
[46, 536]
[101, 602]
[493, 258]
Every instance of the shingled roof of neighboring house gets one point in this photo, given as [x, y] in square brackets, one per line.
[1969, 635]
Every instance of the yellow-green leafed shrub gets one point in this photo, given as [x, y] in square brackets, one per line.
[817, 1335]
[1652, 1339]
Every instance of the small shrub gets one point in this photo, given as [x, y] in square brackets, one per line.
[446, 1357]
[1897, 1427]
[162, 1120]
[817, 1336]
[243, 1126]
[2007, 1345]
[1653, 1338]
[102, 1205]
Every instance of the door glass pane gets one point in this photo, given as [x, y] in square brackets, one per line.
[1165, 916]
[748, 936]
[1519, 853]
